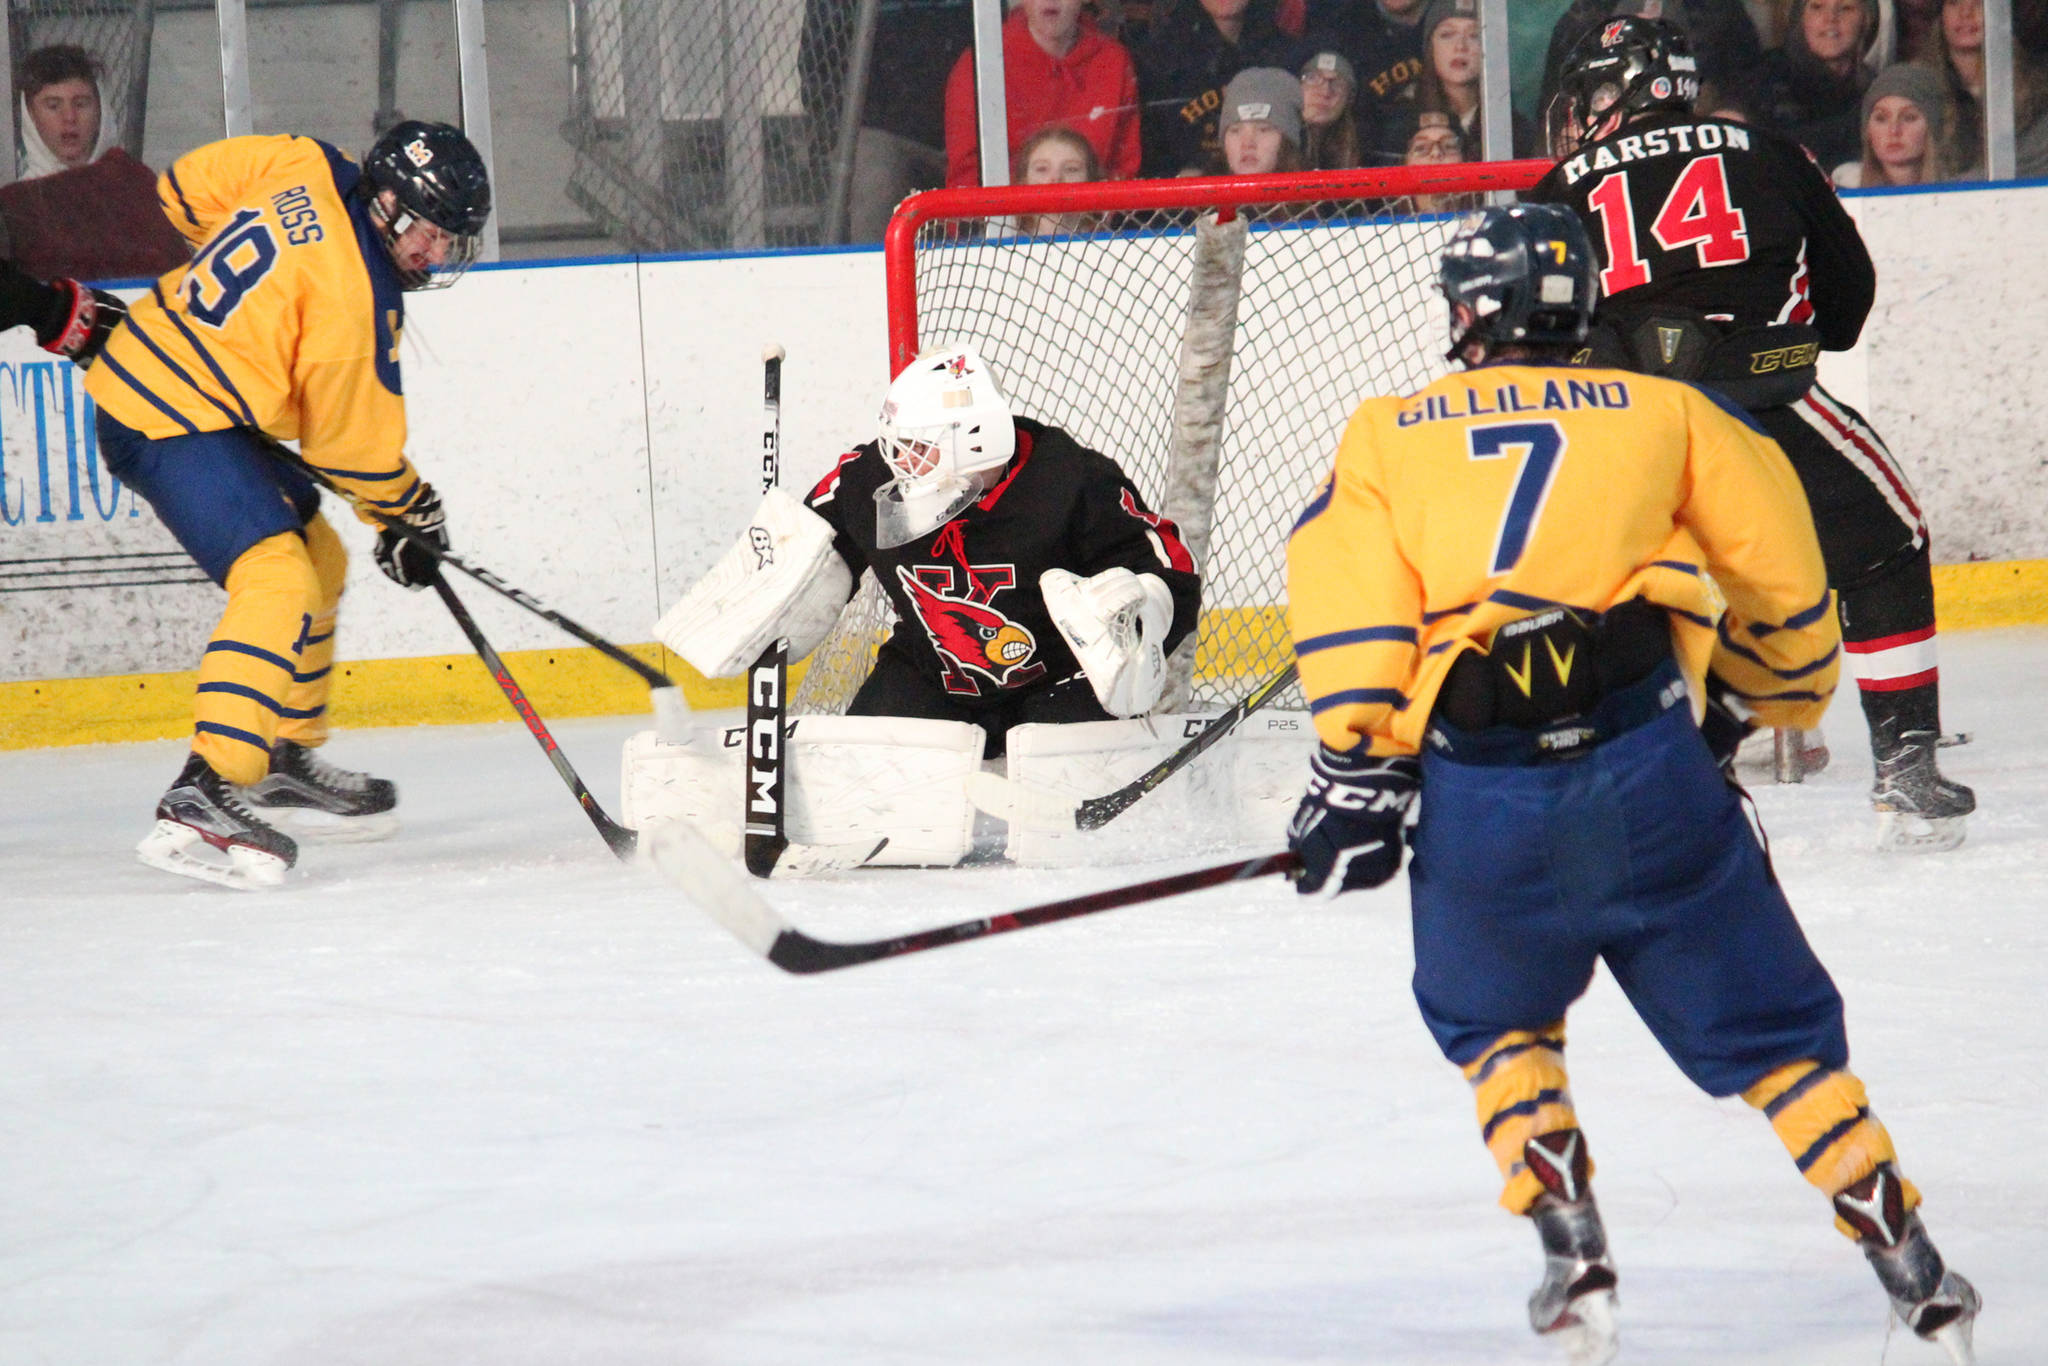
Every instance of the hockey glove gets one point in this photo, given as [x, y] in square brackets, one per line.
[1347, 830]
[404, 561]
[79, 322]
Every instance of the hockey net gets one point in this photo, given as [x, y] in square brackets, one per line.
[1210, 335]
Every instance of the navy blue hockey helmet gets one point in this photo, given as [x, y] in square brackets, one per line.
[436, 176]
[1526, 275]
[1629, 66]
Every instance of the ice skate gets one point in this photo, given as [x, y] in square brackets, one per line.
[1920, 811]
[317, 801]
[1575, 1305]
[1933, 1301]
[205, 830]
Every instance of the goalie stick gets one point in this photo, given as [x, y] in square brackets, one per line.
[620, 840]
[725, 893]
[1009, 800]
[763, 837]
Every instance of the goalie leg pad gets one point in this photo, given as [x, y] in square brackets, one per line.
[856, 779]
[781, 579]
[1241, 792]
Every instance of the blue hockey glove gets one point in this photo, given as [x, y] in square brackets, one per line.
[1347, 830]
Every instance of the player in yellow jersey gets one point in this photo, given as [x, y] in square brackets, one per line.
[284, 326]
[1522, 572]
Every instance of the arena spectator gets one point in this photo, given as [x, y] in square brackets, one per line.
[1959, 56]
[1191, 54]
[1329, 117]
[1260, 122]
[1905, 131]
[1453, 67]
[1058, 68]
[1723, 34]
[1056, 156]
[1382, 39]
[1914, 24]
[84, 208]
[1812, 88]
[901, 146]
[1433, 140]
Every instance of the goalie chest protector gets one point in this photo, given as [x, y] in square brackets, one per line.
[967, 603]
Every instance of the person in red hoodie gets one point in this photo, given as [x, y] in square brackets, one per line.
[1057, 69]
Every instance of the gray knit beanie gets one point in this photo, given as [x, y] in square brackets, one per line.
[1263, 94]
[1920, 84]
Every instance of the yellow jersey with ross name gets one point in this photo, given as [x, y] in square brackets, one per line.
[287, 319]
[1511, 488]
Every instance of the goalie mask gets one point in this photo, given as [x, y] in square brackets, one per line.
[434, 176]
[945, 428]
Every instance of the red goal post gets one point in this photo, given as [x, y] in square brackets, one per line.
[1211, 334]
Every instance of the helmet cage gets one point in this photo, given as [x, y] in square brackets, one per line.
[434, 175]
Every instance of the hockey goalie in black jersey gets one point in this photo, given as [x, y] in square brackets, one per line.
[1726, 259]
[1032, 588]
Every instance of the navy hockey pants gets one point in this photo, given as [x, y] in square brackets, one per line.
[217, 492]
[1638, 854]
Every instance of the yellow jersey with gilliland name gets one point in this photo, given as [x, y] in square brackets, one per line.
[1511, 488]
[286, 320]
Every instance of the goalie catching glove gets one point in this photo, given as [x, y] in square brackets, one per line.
[1347, 830]
[404, 561]
[1115, 622]
[781, 579]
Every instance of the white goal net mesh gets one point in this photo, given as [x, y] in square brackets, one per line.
[1084, 320]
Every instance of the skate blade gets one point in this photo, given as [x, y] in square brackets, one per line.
[1955, 1340]
[1899, 832]
[1587, 1330]
[176, 849]
[325, 827]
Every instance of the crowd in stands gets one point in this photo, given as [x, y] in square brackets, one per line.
[1881, 92]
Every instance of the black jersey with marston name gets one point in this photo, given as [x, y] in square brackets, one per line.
[968, 608]
[1716, 216]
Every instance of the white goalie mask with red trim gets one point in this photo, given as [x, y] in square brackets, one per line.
[945, 427]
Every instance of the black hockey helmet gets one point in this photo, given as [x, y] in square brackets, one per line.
[1626, 65]
[1526, 274]
[438, 177]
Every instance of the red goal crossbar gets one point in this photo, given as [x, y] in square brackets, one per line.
[1225, 194]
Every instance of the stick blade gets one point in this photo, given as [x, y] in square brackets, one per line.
[680, 853]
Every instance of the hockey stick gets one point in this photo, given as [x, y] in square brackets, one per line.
[1009, 800]
[618, 838]
[654, 677]
[764, 838]
[725, 893]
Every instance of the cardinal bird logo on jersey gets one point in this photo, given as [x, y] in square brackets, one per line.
[971, 637]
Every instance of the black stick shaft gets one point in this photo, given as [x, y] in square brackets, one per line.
[764, 833]
[794, 951]
[618, 838]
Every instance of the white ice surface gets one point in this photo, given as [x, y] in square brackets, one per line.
[481, 1095]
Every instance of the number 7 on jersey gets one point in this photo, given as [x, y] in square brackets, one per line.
[1539, 444]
